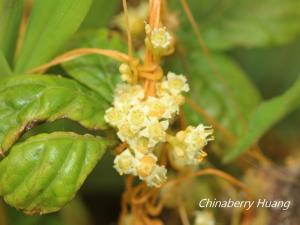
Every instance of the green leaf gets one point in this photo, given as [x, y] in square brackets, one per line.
[226, 96]
[51, 24]
[4, 67]
[26, 100]
[100, 14]
[10, 18]
[266, 66]
[44, 173]
[265, 116]
[112, 182]
[245, 23]
[97, 72]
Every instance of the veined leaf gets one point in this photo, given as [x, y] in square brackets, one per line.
[44, 173]
[51, 24]
[265, 116]
[10, 18]
[4, 67]
[25, 100]
[227, 96]
[97, 72]
[245, 23]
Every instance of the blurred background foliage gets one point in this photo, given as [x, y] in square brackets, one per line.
[254, 44]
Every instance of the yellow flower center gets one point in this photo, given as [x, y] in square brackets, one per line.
[126, 131]
[125, 163]
[157, 109]
[142, 145]
[160, 38]
[156, 131]
[137, 117]
[114, 116]
[176, 84]
[147, 164]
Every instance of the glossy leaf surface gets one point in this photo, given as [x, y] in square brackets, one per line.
[43, 173]
[51, 24]
[26, 100]
[99, 73]
[244, 23]
[225, 93]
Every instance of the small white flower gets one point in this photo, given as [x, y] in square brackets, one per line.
[125, 162]
[157, 177]
[188, 144]
[140, 145]
[128, 95]
[125, 133]
[175, 84]
[160, 38]
[155, 132]
[137, 118]
[157, 108]
[114, 116]
[173, 103]
[197, 137]
[146, 165]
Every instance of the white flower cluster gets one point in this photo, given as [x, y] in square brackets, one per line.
[142, 123]
[188, 144]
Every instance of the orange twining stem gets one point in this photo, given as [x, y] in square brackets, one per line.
[194, 26]
[154, 22]
[214, 172]
[154, 19]
[211, 63]
[153, 74]
[121, 147]
[183, 213]
[73, 54]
